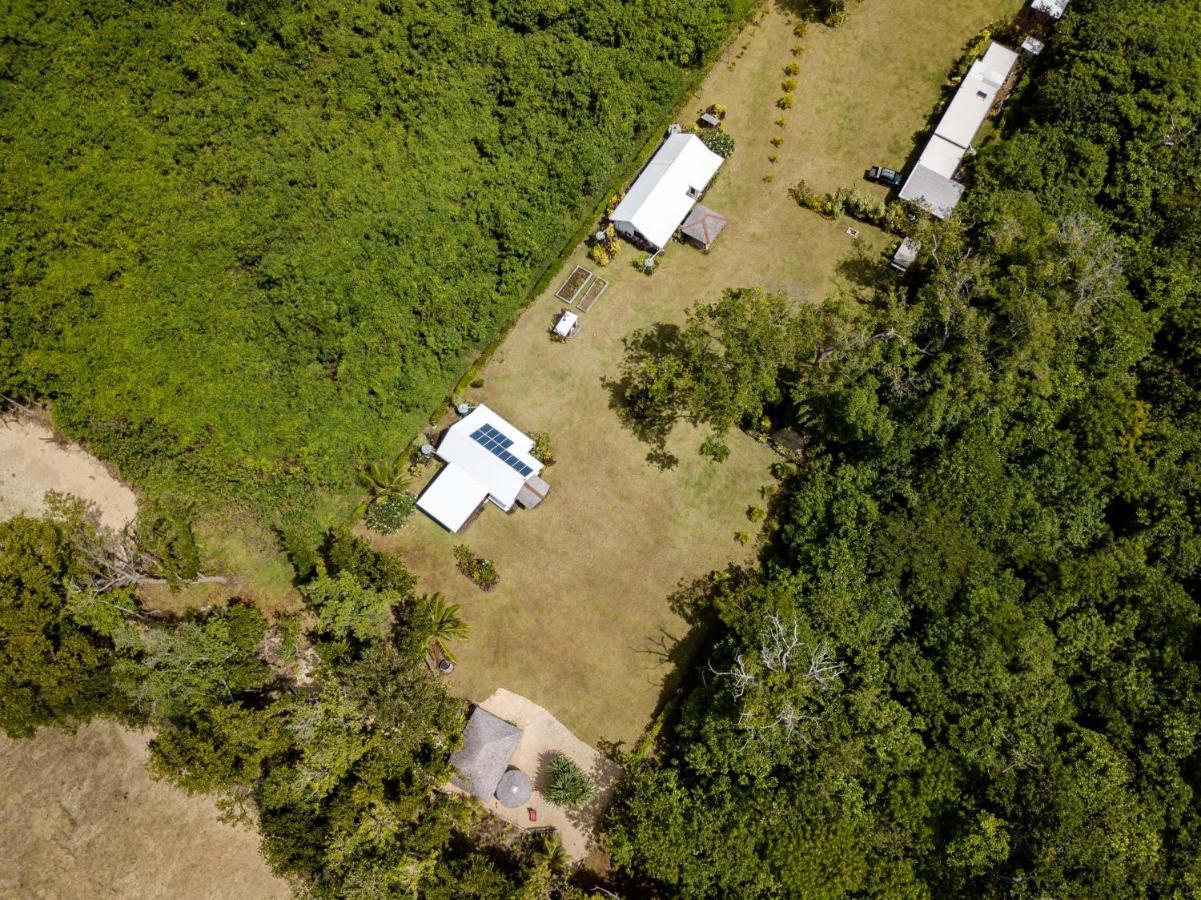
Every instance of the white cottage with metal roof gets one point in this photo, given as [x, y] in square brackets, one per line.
[487, 458]
[666, 190]
[932, 182]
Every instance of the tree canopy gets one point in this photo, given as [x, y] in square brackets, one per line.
[967, 664]
[246, 245]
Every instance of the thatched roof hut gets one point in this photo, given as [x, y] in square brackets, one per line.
[488, 744]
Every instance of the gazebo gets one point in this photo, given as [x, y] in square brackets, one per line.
[514, 788]
[488, 744]
[702, 226]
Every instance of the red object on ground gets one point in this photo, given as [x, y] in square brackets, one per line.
[533, 813]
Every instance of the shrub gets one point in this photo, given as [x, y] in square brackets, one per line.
[792, 69]
[600, 255]
[386, 514]
[781, 121]
[797, 50]
[542, 450]
[756, 513]
[714, 449]
[718, 109]
[785, 102]
[788, 84]
[774, 158]
[477, 382]
[568, 786]
[719, 142]
[799, 29]
[777, 141]
[480, 571]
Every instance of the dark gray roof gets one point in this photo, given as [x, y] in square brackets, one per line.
[703, 224]
[935, 192]
[514, 788]
[488, 744]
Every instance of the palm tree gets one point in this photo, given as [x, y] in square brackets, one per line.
[552, 855]
[442, 624]
[382, 479]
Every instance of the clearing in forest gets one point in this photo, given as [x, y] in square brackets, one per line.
[581, 621]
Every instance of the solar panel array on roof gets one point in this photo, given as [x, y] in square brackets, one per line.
[498, 445]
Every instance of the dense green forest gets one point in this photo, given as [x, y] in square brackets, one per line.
[326, 730]
[245, 245]
[970, 662]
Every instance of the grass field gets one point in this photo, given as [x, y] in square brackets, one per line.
[581, 621]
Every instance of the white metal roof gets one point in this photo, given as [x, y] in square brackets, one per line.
[1054, 8]
[662, 195]
[473, 472]
[452, 497]
[942, 156]
[969, 107]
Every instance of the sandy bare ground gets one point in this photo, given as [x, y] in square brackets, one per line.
[31, 463]
[81, 817]
[544, 738]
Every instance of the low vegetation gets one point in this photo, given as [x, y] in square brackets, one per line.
[481, 571]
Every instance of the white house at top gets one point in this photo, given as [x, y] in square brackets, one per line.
[486, 459]
[663, 195]
[932, 182]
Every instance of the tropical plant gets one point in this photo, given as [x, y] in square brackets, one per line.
[567, 784]
[719, 142]
[542, 448]
[388, 513]
[440, 622]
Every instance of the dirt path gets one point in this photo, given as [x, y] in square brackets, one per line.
[31, 463]
[81, 817]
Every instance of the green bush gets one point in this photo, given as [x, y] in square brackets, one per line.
[719, 142]
[389, 512]
[542, 449]
[481, 571]
[785, 102]
[568, 786]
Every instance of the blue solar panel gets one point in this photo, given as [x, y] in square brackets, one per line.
[498, 445]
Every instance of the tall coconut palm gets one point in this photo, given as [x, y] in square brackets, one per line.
[442, 624]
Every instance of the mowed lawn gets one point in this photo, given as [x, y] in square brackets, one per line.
[581, 621]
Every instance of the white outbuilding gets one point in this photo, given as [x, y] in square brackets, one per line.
[932, 182]
[666, 190]
[487, 458]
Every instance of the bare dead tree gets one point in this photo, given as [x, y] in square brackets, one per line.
[1095, 258]
[824, 668]
[778, 643]
[742, 678]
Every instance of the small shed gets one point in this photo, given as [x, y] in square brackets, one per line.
[906, 255]
[514, 788]
[708, 120]
[702, 226]
[489, 742]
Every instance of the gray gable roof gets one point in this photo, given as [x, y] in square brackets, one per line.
[489, 742]
[935, 192]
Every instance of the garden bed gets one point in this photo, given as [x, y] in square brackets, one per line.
[592, 294]
[573, 285]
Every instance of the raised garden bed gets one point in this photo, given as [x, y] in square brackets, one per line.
[592, 294]
[573, 285]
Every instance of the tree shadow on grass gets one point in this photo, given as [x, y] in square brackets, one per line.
[638, 413]
[866, 269]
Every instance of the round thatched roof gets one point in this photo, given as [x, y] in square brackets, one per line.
[514, 788]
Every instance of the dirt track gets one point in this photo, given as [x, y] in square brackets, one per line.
[81, 817]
